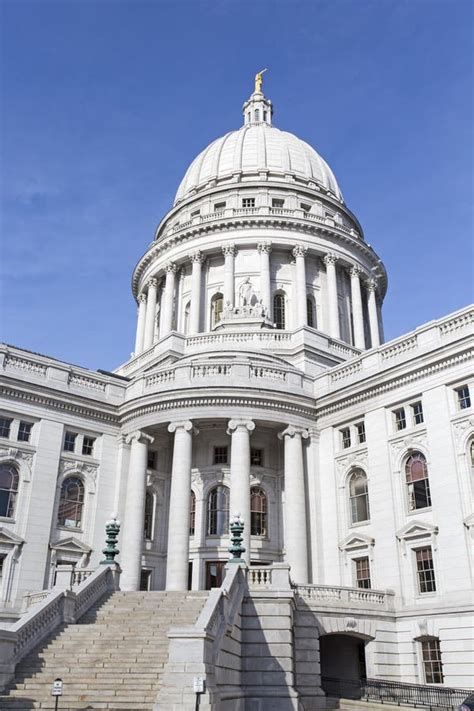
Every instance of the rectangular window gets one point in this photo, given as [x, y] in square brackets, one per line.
[362, 568]
[151, 459]
[248, 202]
[195, 213]
[5, 424]
[464, 398]
[219, 206]
[432, 665]
[400, 419]
[360, 427]
[305, 207]
[69, 441]
[24, 431]
[346, 437]
[417, 409]
[277, 202]
[2, 567]
[220, 455]
[256, 457]
[425, 570]
[145, 579]
[88, 445]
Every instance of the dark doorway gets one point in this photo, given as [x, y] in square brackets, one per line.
[190, 575]
[342, 664]
[145, 579]
[214, 573]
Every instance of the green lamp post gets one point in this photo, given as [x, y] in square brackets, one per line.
[236, 525]
[112, 528]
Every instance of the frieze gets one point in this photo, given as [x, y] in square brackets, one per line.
[29, 366]
[348, 461]
[406, 444]
[67, 466]
[461, 430]
[20, 456]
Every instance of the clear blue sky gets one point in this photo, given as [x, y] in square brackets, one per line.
[105, 104]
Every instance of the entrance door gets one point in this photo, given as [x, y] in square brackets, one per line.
[214, 573]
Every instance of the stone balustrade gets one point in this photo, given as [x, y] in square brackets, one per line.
[334, 596]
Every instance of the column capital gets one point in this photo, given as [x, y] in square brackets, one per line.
[264, 247]
[185, 425]
[234, 425]
[355, 271]
[299, 251]
[330, 258]
[138, 436]
[371, 284]
[228, 250]
[153, 283]
[170, 267]
[291, 431]
[142, 298]
[197, 256]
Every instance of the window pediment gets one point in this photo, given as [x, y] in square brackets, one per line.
[353, 542]
[70, 545]
[8, 538]
[417, 531]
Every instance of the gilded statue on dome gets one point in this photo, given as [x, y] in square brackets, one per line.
[259, 81]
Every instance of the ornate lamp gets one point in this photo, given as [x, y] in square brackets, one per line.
[112, 529]
[236, 525]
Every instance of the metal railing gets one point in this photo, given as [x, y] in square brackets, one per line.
[395, 692]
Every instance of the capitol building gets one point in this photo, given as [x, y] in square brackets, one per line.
[260, 384]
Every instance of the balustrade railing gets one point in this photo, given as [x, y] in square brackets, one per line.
[260, 577]
[344, 596]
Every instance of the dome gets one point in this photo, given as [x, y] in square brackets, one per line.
[256, 148]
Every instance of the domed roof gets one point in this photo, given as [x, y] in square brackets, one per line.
[257, 147]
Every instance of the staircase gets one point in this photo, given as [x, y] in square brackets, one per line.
[111, 659]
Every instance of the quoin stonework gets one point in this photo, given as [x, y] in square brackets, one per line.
[260, 384]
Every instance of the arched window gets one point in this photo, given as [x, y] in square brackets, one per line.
[471, 455]
[359, 496]
[71, 502]
[218, 511]
[310, 314]
[418, 484]
[217, 304]
[149, 515]
[8, 489]
[192, 514]
[257, 115]
[279, 310]
[187, 312]
[258, 512]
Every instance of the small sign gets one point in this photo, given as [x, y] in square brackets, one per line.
[57, 689]
[199, 685]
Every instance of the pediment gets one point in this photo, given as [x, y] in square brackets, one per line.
[416, 529]
[71, 545]
[469, 521]
[356, 540]
[9, 538]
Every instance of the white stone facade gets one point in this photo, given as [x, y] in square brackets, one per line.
[259, 369]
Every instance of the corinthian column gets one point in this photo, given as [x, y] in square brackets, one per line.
[228, 251]
[168, 296]
[140, 323]
[373, 315]
[150, 314]
[357, 313]
[197, 259]
[180, 502]
[333, 309]
[296, 545]
[132, 540]
[264, 249]
[240, 431]
[299, 253]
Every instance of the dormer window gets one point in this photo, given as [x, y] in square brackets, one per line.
[277, 202]
[248, 202]
[257, 115]
[195, 213]
[264, 115]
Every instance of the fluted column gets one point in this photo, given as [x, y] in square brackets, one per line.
[140, 323]
[357, 313]
[333, 307]
[296, 544]
[197, 259]
[168, 296]
[132, 540]
[264, 249]
[180, 502]
[373, 315]
[150, 314]
[299, 253]
[228, 251]
[240, 431]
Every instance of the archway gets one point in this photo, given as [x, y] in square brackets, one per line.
[343, 666]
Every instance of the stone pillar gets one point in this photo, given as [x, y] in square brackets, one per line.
[296, 544]
[240, 476]
[180, 502]
[132, 540]
[228, 251]
[299, 253]
[357, 313]
[168, 296]
[140, 323]
[197, 259]
[264, 249]
[333, 308]
[150, 314]
[373, 315]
